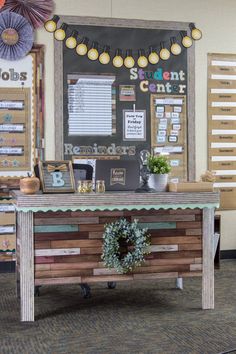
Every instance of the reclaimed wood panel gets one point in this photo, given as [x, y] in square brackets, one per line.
[64, 221]
[77, 259]
[76, 243]
[189, 225]
[166, 217]
[177, 239]
[62, 273]
[156, 275]
[57, 252]
[57, 281]
[68, 246]
[61, 236]
[192, 246]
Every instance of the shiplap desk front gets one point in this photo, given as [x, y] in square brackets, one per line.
[155, 208]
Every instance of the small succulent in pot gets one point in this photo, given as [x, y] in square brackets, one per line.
[159, 168]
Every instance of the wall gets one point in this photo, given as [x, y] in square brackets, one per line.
[217, 37]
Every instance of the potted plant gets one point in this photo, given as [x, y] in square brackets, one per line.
[159, 168]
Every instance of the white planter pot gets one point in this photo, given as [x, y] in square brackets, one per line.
[158, 182]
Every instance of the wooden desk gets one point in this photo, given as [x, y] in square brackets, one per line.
[59, 239]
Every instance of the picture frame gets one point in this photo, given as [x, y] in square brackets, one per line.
[82, 172]
[134, 125]
[56, 176]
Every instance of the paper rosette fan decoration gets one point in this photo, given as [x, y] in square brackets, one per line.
[16, 36]
[35, 11]
[2, 2]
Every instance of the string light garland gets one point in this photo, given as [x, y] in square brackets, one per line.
[71, 41]
[129, 60]
[82, 47]
[164, 52]
[153, 57]
[93, 52]
[118, 61]
[142, 60]
[186, 40]
[175, 47]
[60, 33]
[51, 25]
[105, 55]
[196, 34]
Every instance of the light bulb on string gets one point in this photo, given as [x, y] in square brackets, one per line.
[164, 52]
[71, 41]
[129, 60]
[82, 47]
[196, 34]
[175, 47]
[60, 33]
[153, 57]
[118, 60]
[104, 57]
[142, 60]
[93, 51]
[186, 40]
[51, 25]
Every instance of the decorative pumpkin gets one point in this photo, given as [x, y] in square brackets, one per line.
[29, 185]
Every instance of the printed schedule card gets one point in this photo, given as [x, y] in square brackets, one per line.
[169, 132]
[222, 125]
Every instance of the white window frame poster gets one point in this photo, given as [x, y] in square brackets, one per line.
[134, 125]
[90, 105]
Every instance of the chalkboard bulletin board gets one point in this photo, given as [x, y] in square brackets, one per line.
[124, 34]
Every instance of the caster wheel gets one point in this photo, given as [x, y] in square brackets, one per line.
[86, 291]
[37, 291]
[111, 285]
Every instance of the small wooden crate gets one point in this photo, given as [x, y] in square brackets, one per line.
[191, 187]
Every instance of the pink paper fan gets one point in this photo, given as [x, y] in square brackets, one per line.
[35, 11]
[2, 2]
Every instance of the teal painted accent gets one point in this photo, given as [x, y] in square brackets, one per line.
[158, 225]
[4, 251]
[56, 228]
[121, 207]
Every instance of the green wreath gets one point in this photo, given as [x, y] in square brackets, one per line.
[123, 234]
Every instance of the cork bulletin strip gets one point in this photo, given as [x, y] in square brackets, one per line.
[15, 129]
[222, 125]
[169, 132]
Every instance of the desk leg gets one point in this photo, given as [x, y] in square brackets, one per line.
[26, 243]
[208, 259]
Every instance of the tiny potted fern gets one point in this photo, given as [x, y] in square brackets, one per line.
[159, 169]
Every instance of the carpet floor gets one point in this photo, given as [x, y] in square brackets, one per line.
[143, 317]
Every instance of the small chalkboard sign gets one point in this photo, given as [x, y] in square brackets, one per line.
[56, 176]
